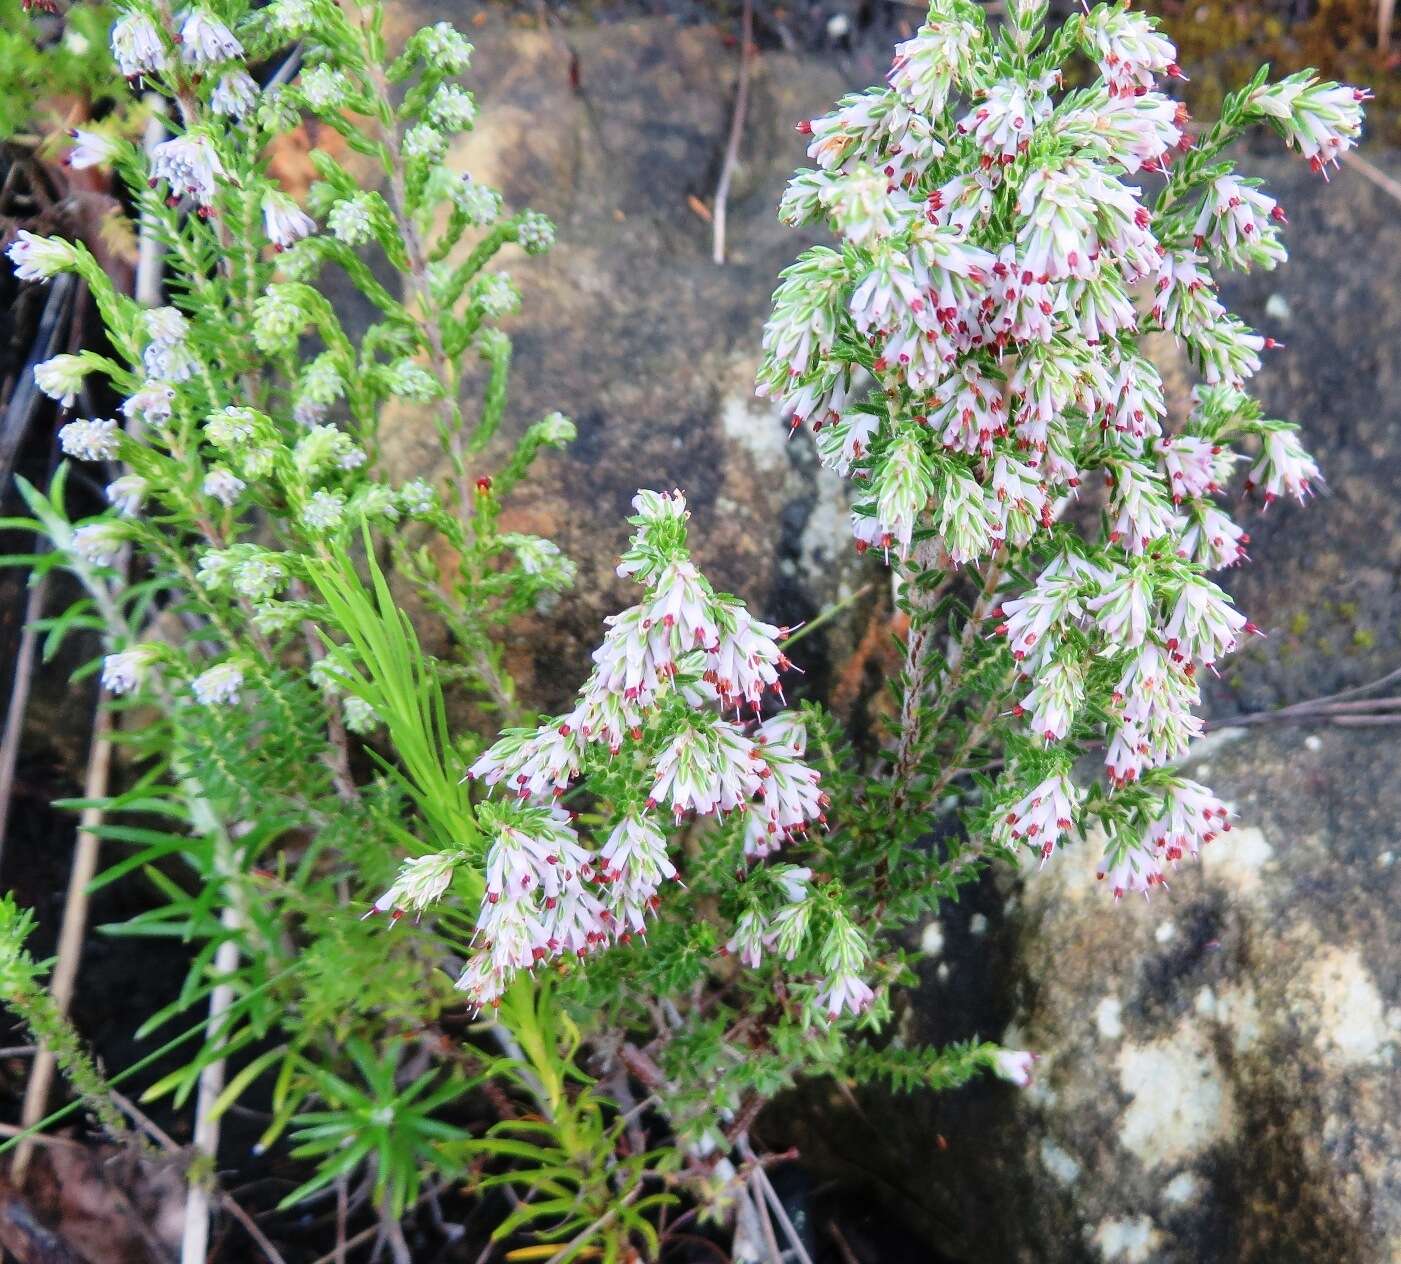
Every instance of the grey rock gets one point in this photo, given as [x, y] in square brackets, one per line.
[1218, 1075]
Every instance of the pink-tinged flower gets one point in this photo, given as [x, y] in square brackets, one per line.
[124, 673]
[1053, 700]
[951, 271]
[91, 149]
[747, 941]
[862, 207]
[90, 440]
[482, 982]
[790, 793]
[1237, 225]
[680, 604]
[1157, 695]
[127, 494]
[1139, 513]
[804, 321]
[539, 855]
[1043, 817]
[533, 764]
[577, 922]
[1225, 351]
[1098, 308]
[903, 486]
[422, 881]
[1192, 817]
[604, 716]
[235, 95]
[745, 660]
[1284, 468]
[1204, 624]
[1018, 487]
[1032, 623]
[137, 46]
[634, 858]
[969, 410]
[98, 542]
[1023, 310]
[636, 659]
[204, 40]
[153, 404]
[224, 486]
[1193, 466]
[284, 221]
[1135, 405]
[966, 525]
[1133, 131]
[1014, 1065]
[512, 935]
[887, 292]
[866, 530]
[1043, 385]
[1003, 121]
[846, 443]
[1185, 302]
[1131, 868]
[221, 685]
[1057, 237]
[844, 993]
[1123, 608]
[1212, 538]
[190, 165]
[1127, 753]
[39, 258]
[931, 66]
[965, 200]
[855, 129]
[1128, 48]
[1321, 120]
[706, 768]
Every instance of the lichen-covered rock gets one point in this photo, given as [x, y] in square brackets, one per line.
[1218, 1080]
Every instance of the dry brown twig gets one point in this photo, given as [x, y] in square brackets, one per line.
[727, 169]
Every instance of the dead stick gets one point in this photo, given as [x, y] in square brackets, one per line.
[73, 928]
[727, 170]
[19, 701]
[1373, 173]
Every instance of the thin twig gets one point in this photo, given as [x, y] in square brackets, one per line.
[342, 1215]
[364, 1235]
[1310, 708]
[1373, 173]
[756, 1195]
[150, 251]
[825, 616]
[19, 701]
[569, 1250]
[1386, 10]
[73, 927]
[168, 1143]
[843, 1246]
[727, 170]
[746, 1149]
[14, 425]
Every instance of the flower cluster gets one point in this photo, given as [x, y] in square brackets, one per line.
[974, 353]
[673, 682]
